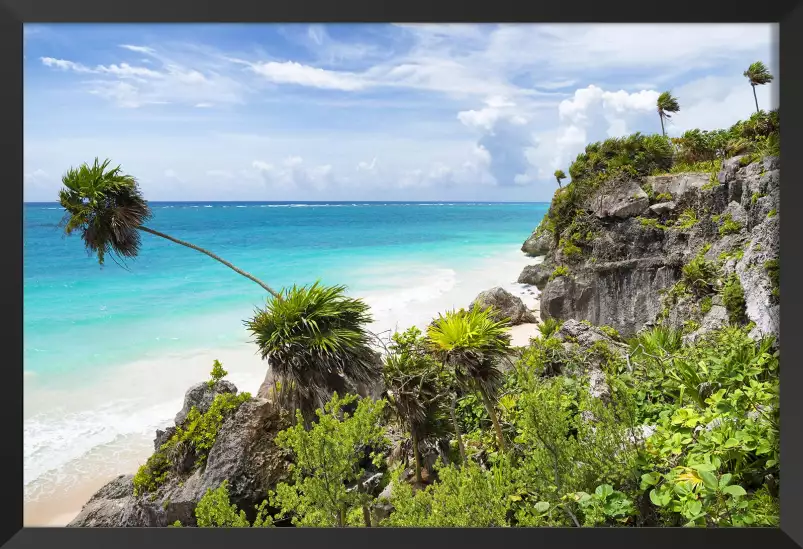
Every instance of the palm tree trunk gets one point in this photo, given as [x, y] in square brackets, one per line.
[457, 430]
[417, 457]
[492, 412]
[755, 97]
[366, 516]
[213, 256]
[341, 517]
[663, 131]
[559, 185]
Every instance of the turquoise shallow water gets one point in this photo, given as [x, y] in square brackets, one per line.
[108, 352]
[79, 316]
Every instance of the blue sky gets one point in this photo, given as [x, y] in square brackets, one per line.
[367, 112]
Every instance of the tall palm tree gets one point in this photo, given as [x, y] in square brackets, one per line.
[316, 340]
[107, 207]
[559, 175]
[415, 389]
[472, 343]
[667, 104]
[758, 74]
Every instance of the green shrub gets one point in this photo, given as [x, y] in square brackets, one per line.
[773, 213]
[664, 197]
[773, 268]
[550, 327]
[729, 226]
[560, 270]
[705, 304]
[733, 299]
[687, 219]
[700, 275]
[217, 373]
[611, 332]
[651, 222]
[569, 250]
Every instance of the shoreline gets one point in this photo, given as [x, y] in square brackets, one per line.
[57, 502]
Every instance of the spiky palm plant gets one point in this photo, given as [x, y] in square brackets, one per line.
[315, 339]
[559, 175]
[667, 105]
[758, 74]
[472, 343]
[415, 389]
[107, 208]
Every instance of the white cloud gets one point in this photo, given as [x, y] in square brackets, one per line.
[290, 72]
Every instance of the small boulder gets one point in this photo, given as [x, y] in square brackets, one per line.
[505, 305]
[535, 275]
[663, 207]
[109, 504]
[537, 244]
[626, 199]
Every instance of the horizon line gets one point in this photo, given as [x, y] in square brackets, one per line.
[323, 202]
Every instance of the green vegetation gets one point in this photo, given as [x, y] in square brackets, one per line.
[773, 268]
[328, 458]
[193, 439]
[471, 343]
[549, 327]
[560, 270]
[611, 332]
[733, 299]
[758, 75]
[651, 223]
[559, 175]
[569, 249]
[706, 304]
[217, 374]
[314, 337]
[663, 197]
[700, 275]
[687, 219]
[215, 510]
[729, 226]
[667, 105]
[773, 213]
[416, 389]
[754, 198]
[107, 208]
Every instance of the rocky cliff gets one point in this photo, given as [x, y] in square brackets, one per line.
[624, 259]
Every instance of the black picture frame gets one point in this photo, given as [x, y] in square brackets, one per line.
[14, 13]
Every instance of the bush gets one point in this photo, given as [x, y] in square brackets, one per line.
[549, 327]
[217, 373]
[687, 219]
[560, 270]
[729, 226]
[700, 275]
[733, 299]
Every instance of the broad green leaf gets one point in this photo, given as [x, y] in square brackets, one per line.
[725, 479]
[709, 479]
[735, 490]
[655, 498]
[542, 506]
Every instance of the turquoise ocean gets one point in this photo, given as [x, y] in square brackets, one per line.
[109, 352]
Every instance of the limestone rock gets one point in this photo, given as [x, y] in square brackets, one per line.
[623, 200]
[505, 305]
[663, 207]
[535, 275]
[537, 244]
[201, 396]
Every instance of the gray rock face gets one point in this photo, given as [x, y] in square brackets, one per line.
[624, 295]
[622, 200]
[505, 305]
[619, 281]
[677, 185]
[535, 275]
[243, 454]
[663, 207]
[537, 244]
[201, 396]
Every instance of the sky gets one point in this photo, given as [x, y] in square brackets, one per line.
[367, 112]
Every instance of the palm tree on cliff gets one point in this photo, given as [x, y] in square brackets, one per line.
[559, 175]
[415, 389]
[758, 74]
[107, 208]
[667, 104]
[315, 339]
[472, 343]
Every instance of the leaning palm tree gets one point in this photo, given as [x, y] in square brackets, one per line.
[758, 74]
[316, 340]
[107, 207]
[559, 175]
[415, 389]
[472, 343]
[667, 104]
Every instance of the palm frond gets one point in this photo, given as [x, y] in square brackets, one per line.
[315, 338]
[106, 207]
